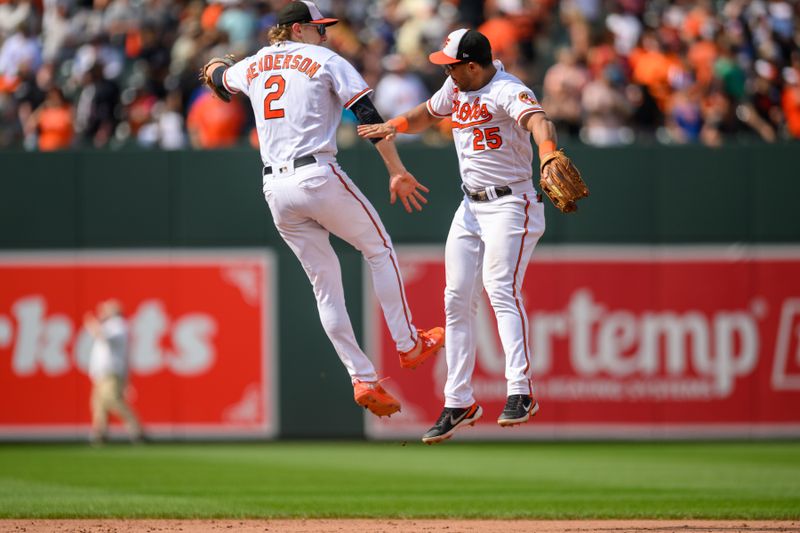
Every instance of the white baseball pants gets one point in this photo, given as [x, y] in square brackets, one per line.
[308, 204]
[489, 245]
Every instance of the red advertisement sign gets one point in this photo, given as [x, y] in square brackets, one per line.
[201, 348]
[633, 341]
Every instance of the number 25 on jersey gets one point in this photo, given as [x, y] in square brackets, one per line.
[491, 137]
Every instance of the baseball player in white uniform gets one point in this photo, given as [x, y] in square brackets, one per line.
[297, 89]
[496, 226]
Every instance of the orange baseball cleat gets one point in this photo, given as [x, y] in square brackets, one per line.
[428, 344]
[371, 395]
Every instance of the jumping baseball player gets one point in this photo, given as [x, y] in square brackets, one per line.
[496, 226]
[297, 89]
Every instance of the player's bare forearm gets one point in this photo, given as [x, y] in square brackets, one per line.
[542, 129]
[391, 158]
[417, 120]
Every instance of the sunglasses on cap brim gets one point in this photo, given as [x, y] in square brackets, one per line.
[321, 29]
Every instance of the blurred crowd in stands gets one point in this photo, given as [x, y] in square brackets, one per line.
[114, 73]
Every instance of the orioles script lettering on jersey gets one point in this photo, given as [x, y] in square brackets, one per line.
[466, 114]
[280, 62]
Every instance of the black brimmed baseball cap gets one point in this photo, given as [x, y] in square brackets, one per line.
[463, 45]
[304, 13]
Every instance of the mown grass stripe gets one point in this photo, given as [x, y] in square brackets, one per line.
[758, 480]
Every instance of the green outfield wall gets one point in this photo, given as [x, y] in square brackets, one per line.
[155, 200]
[167, 199]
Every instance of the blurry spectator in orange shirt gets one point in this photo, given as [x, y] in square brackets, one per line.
[53, 121]
[699, 21]
[510, 26]
[214, 124]
[651, 66]
[701, 56]
[790, 101]
[503, 35]
[211, 15]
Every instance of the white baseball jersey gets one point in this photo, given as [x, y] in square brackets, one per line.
[297, 91]
[493, 149]
[489, 243]
[108, 356]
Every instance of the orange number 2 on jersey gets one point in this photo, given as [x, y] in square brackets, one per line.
[279, 85]
[492, 137]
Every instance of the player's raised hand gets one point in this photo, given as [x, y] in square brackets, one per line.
[377, 131]
[408, 189]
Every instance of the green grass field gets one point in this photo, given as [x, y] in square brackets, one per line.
[456, 479]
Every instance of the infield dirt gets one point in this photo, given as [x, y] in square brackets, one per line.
[399, 526]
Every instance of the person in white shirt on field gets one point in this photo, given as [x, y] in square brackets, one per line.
[108, 370]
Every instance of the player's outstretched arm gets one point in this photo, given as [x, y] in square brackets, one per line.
[414, 121]
[401, 183]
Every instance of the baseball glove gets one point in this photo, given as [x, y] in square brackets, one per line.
[221, 92]
[561, 181]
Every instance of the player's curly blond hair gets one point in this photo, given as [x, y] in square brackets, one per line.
[279, 34]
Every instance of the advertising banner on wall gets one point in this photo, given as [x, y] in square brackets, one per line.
[201, 352]
[627, 342]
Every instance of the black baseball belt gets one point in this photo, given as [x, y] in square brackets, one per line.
[299, 162]
[488, 194]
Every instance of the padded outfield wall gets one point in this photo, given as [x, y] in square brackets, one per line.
[174, 224]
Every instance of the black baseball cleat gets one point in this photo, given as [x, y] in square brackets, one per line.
[450, 420]
[518, 410]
